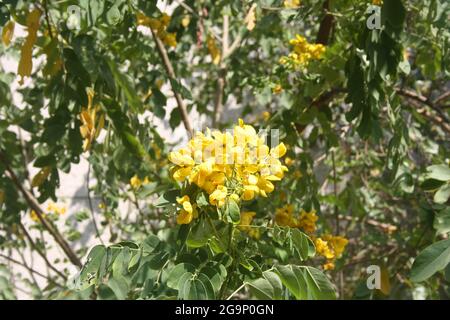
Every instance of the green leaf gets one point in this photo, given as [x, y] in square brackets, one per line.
[167, 198]
[232, 210]
[150, 244]
[431, 260]
[319, 287]
[199, 234]
[301, 243]
[394, 12]
[176, 274]
[122, 127]
[442, 195]
[113, 15]
[74, 66]
[202, 200]
[431, 184]
[439, 172]
[442, 221]
[261, 288]
[90, 271]
[126, 84]
[214, 274]
[196, 288]
[120, 265]
[293, 279]
[276, 284]
[119, 286]
[179, 88]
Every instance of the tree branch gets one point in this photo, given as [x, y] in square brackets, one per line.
[326, 25]
[35, 247]
[91, 207]
[34, 205]
[424, 100]
[28, 268]
[169, 69]
[441, 119]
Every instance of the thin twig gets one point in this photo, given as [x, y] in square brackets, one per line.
[28, 268]
[169, 68]
[36, 248]
[91, 207]
[236, 291]
[424, 100]
[34, 205]
[47, 18]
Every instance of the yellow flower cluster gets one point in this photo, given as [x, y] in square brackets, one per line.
[26, 62]
[235, 165]
[245, 224]
[51, 208]
[306, 220]
[302, 53]
[377, 2]
[213, 49]
[330, 247]
[92, 123]
[291, 4]
[136, 182]
[159, 27]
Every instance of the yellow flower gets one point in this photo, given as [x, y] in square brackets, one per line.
[159, 27]
[291, 4]
[213, 49]
[188, 212]
[214, 161]
[54, 208]
[246, 220]
[91, 123]
[302, 52]
[254, 233]
[284, 216]
[277, 89]
[26, 62]
[323, 249]
[289, 161]
[328, 266]
[266, 115]
[135, 182]
[34, 216]
[377, 2]
[169, 39]
[185, 202]
[307, 221]
[217, 198]
[337, 243]
[249, 192]
[165, 19]
[185, 21]
[184, 217]
[7, 32]
[278, 151]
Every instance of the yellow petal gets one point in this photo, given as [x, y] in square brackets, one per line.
[8, 32]
[278, 151]
[184, 217]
